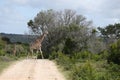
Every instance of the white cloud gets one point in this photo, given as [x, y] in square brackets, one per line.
[10, 15]
[58, 4]
[102, 12]
[11, 20]
[20, 2]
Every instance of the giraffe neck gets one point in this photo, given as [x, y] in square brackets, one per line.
[42, 37]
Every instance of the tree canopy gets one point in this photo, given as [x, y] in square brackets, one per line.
[111, 32]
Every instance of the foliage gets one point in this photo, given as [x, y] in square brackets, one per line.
[110, 33]
[61, 25]
[2, 45]
[53, 55]
[113, 72]
[114, 53]
[6, 39]
[81, 56]
[17, 38]
[2, 52]
[7, 48]
[104, 54]
[5, 61]
[89, 69]
[64, 60]
[69, 47]
[83, 72]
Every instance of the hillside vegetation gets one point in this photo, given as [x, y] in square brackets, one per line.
[5, 58]
[18, 38]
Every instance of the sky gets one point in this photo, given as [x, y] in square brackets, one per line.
[14, 14]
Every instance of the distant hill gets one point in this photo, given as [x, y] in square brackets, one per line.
[19, 38]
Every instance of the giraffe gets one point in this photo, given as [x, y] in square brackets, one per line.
[37, 44]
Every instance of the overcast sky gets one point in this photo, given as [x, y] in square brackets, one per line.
[14, 14]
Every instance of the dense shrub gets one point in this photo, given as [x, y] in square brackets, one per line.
[65, 61]
[85, 66]
[2, 43]
[2, 52]
[114, 53]
[83, 72]
[69, 47]
[114, 70]
[96, 57]
[104, 54]
[85, 54]
[53, 55]
[6, 39]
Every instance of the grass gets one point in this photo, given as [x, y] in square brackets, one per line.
[4, 65]
[5, 62]
[61, 69]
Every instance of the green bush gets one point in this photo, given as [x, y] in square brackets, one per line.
[104, 54]
[6, 39]
[83, 72]
[85, 55]
[114, 53]
[53, 55]
[89, 69]
[103, 76]
[69, 47]
[114, 70]
[81, 56]
[96, 57]
[64, 61]
[2, 52]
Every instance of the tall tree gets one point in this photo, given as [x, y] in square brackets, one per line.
[111, 32]
[95, 43]
[61, 25]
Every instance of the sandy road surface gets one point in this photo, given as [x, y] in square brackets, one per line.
[31, 69]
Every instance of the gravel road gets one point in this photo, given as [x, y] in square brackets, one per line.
[31, 69]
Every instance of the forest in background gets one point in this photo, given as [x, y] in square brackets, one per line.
[18, 38]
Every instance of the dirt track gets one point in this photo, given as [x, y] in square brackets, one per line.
[31, 69]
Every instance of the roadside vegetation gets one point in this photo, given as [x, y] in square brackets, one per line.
[7, 57]
[5, 62]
